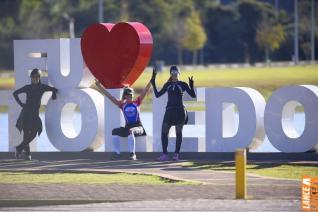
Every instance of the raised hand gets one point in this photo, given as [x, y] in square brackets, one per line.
[54, 95]
[191, 82]
[154, 73]
[97, 82]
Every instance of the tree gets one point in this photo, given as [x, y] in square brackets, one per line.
[269, 37]
[195, 36]
[180, 11]
[67, 10]
[236, 32]
[305, 27]
[35, 20]
[157, 15]
[8, 31]
[223, 29]
[250, 16]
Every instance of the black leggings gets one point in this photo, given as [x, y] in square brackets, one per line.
[164, 137]
[28, 136]
[125, 131]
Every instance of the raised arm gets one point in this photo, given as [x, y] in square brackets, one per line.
[153, 82]
[190, 90]
[144, 92]
[16, 95]
[106, 93]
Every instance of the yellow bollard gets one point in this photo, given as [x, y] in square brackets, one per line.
[240, 163]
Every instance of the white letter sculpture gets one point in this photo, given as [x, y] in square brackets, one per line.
[250, 105]
[66, 72]
[279, 116]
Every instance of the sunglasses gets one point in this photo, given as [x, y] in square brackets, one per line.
[174, 72]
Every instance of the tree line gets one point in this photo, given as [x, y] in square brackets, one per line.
[184, 31]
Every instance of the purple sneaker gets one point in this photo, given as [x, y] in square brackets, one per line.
[163, 157]
[175, 157]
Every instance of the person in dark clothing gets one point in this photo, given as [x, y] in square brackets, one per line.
[176, 114]
[29, 121]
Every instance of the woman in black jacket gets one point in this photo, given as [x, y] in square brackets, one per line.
[29, 121]
[176, 114]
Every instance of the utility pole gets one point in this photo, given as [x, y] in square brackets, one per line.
[296, 42]
[71, 24]
[313, 31]
[100, 11]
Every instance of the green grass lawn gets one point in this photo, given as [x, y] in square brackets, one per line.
[263, 79]
[84, 178]
[6, 83]
[277, 170]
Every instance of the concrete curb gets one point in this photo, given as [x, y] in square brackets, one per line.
[211, 156]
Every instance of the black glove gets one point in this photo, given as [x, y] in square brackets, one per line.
[54, 95]
[154, 73]
[191, 82]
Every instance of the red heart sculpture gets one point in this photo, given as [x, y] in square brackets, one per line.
[116, 54]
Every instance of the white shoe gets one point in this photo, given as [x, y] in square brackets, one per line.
[133, 156]
[28, 157]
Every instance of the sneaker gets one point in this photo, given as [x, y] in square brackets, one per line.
[175, 157]
[133, 156]
[116, 156]
[28, 157]
[163, 157]
[17, 153]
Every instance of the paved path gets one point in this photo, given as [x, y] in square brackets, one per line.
[219, 187]
[174, 205]
[171, 170]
